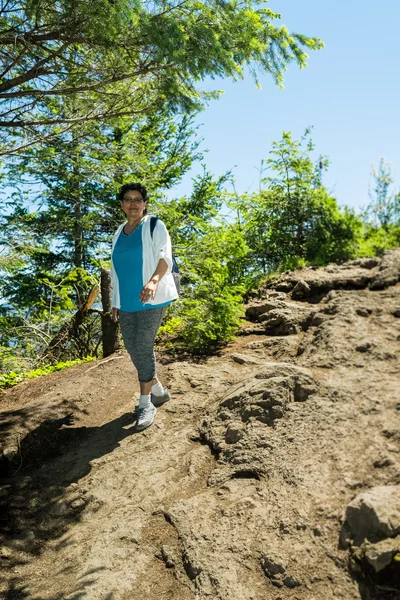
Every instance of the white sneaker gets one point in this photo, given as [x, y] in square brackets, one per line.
[145, 417]
[159, 400]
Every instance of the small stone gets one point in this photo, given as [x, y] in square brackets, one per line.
[244, 359]
[383, 462]
[77, 504]
[165, 554]
[272, 566]
[234, 433]
[10, 453]
[291, 582]
[5, 553]
[364, 347]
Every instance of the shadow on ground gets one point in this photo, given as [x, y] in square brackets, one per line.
[35, 507]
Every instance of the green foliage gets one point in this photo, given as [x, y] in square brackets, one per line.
[109, 89]
[384, 208]
[293, 220]
[211, 310]
[129, 58]
[10, 379]
[211, 319]
[375, 240]
[169, 331]
[211, 259]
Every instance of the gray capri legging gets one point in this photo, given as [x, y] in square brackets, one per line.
[139, 330]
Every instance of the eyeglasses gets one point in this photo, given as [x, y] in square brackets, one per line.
[133, 200]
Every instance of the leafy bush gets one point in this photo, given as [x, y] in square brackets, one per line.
[375, 240]
[211, 318]
[10, 379]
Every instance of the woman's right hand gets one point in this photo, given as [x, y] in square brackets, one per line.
[115, 315]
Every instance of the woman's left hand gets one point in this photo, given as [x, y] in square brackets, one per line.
[148, 292]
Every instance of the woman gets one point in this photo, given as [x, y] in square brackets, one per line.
[143, 287]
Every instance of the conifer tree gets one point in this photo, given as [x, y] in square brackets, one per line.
[127, 58]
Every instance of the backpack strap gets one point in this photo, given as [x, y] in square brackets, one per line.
[153, 222]
[175, 268]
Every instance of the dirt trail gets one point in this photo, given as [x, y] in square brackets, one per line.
[238, 490]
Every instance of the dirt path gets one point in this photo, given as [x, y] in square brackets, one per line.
[238, 490]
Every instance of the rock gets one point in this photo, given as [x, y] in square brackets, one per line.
[275, 569]
[59, 508]
[389, 271]
[383, 462]
[166, 554]
[238, 429]
[396, 313]
[5, 553]
[272, 566]
[283, 369]
[291, 582]
[254, 311]
[375, 514]
[284, 286]
[375, 273]
[286, 321]
[363, 312]
[301, 290]
[245, 359]
[364, 347]
[234, 433]
[303, 389]
[380, 555]
[252, 330]
[365, 263]
[255, 345]
[78, 504]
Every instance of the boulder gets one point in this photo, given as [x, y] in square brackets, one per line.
[389, 271]
[301, 290]
[380, 555]
[374, 515]
[254, 311]
[286, 321]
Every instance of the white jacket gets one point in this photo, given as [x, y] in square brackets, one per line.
[153, 249]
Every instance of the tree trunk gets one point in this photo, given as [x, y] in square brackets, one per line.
[78, 230]
[57, 345]
[110, 330]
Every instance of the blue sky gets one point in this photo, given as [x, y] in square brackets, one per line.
[349, 93]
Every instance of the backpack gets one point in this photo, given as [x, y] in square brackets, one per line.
[175, 269]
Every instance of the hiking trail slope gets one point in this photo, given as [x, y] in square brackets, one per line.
[239, 489]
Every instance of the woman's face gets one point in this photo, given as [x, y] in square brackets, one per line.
[133, 204]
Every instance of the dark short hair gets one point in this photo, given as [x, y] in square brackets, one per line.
[135, 187]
